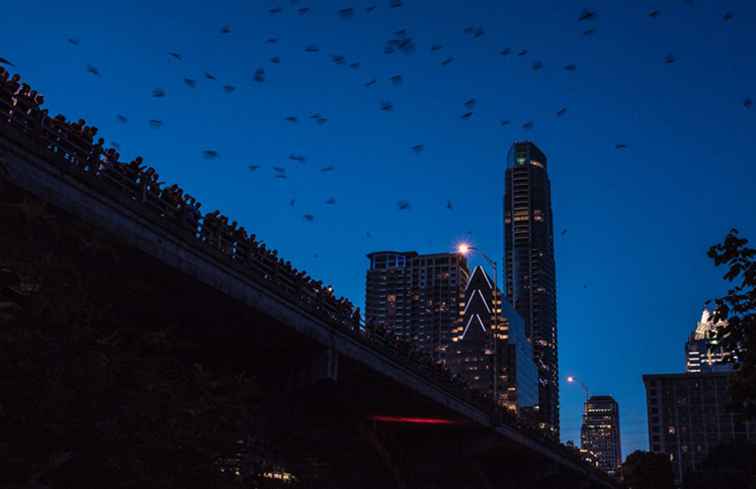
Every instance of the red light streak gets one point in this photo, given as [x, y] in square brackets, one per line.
[401, 419]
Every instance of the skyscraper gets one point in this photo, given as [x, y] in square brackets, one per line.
[530, 269]
[600, 433]
[703, 353]
[416, 297]
[485, 319]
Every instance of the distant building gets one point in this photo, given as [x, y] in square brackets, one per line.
[600, 433]
[703, 353]
[530, 268]
[690, 414]
[416, 297]
[583, 453]
[471, 353]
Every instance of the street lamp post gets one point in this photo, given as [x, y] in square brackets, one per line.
[572, 380]
[464, 249]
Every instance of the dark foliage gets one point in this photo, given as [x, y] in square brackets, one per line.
[730, 466]
[738, 309]
[646, 470]
[91, 400]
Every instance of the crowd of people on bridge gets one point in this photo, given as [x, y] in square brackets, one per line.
[74, 147]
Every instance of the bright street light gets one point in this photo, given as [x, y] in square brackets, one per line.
[464, 248]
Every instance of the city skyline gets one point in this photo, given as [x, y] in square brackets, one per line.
[606, 199]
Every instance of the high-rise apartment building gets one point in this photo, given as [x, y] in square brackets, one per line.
[690, 414]
[600, 433]
[416, 297]
[491, 338]
[530, 268]
[703, 352]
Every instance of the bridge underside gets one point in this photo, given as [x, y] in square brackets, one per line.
[317, 410]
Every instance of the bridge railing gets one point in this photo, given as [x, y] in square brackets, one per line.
[71, 148]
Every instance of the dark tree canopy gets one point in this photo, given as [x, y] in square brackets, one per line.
[731, 466]
[92, 398]
[646, 470]
[738, 309]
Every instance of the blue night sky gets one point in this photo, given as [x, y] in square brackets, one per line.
[638, 221]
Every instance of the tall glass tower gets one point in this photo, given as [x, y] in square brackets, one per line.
[530, 269]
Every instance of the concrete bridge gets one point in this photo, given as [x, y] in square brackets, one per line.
[370, 412]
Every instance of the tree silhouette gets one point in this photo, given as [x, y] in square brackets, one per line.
[96, 399]
[738, 309]
[729, 466]
[646, 470]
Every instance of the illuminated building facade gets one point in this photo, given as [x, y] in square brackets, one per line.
[600, 433]
[416, 297]
[703, 353]
[530, 268]
[471, 355]
[690, 414]
[583, 453]
[520, 373]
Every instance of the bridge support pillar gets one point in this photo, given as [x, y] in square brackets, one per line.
[304, 392]
[320, 366]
